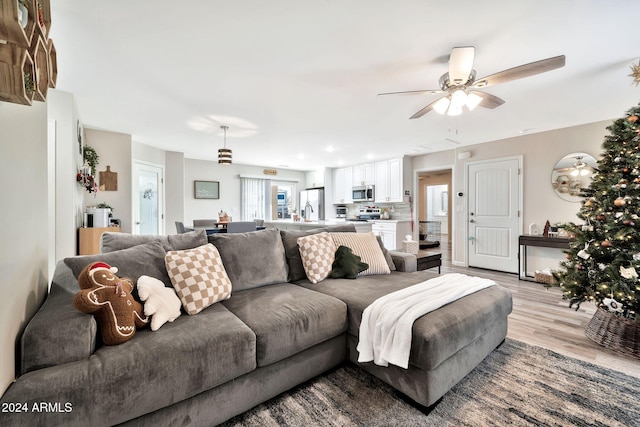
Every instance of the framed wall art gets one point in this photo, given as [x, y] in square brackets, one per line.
[206, 189]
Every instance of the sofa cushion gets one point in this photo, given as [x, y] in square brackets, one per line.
[133, 262]
[111, 242]
[317, 252]
[366, 246]
[290, 242]
[149, 372]
[287, 319]
[252, 259]
[198, 277]
[436, 335]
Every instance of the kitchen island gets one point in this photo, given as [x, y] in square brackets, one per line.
[288, 224]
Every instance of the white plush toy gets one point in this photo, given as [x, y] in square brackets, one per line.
[160, 302]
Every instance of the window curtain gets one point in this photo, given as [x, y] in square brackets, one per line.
[254, 198]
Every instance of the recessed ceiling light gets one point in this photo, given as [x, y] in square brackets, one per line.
[370, 156]
[330, 149]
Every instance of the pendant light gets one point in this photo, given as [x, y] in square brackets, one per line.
[224, 154]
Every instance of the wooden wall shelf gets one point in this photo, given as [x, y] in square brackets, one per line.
[16, 69]
[28, 59]
[10, 27]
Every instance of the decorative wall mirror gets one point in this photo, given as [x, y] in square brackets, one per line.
[570, 174]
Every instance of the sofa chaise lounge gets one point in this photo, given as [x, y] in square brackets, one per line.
[276, 331]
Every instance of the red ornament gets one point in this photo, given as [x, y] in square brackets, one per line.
[629, 222]
[626, 170]
[601, 217]
[606, 244]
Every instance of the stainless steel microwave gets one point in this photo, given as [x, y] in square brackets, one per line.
[363, 193]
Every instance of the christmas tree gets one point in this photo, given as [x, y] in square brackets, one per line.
[604, 259]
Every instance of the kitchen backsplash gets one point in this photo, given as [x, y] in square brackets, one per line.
[398, 211]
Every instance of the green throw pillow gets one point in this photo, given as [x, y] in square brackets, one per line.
[347, 265]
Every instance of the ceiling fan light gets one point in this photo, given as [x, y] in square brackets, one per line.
[454, 110]
[458, 99]
[473, 101]
[441, 105]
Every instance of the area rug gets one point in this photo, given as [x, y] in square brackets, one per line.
[516, 385]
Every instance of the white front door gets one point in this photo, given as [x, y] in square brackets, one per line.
[494, 214]
[148, 207]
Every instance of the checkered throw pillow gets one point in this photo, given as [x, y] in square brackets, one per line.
[317, 252]
[198, 277]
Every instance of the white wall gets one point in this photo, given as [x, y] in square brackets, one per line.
[174, 190]
[24, 218]
[115, 150]
[67, 159]
[229, 179]
[540, 153]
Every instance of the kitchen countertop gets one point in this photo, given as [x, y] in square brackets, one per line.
[325, 222]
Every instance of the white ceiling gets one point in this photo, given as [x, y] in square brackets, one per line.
[291, 78]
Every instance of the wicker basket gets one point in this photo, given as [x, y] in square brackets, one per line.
[615, 333]
[544, 278]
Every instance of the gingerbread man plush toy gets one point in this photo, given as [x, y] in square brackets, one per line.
[109, 299]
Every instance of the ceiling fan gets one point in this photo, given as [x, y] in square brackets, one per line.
[460, 83]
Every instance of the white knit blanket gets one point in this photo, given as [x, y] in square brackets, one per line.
[385, 329]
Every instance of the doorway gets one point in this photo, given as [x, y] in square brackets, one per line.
[494, 220]
[148, 192]
[434, 210]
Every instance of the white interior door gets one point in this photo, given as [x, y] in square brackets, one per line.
[494, 214]
[148, 206]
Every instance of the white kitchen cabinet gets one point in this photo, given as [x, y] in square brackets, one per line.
[389, 180]
[314, 179]
[363, 174]
[392, 232]
[342, 185]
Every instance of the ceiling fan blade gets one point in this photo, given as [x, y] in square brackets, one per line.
[460, 64]
[412, 92]
[425, 110]
[526, 70]
[488, 100]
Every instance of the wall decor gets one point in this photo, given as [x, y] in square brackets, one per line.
[108, 180]
[206, 189]
[570, 174]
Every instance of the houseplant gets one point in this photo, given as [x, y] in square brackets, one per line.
[604, 259]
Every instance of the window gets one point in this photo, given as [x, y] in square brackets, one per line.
[253, 192]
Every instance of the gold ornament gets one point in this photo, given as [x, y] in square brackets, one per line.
[633, 118]
[635, 73]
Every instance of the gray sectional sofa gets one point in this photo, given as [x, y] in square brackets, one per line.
[276, 331]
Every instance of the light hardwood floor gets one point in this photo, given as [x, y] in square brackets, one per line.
[541, 317]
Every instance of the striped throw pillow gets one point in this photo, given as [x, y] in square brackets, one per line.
[366, 246]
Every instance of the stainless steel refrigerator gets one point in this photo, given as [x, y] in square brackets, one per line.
[312, 204]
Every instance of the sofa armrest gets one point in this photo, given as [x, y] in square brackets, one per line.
[404, 261]
[58, 333]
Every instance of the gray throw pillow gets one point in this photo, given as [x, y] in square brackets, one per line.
[387, 255]
[173, 242]
[252, 259]
[146, 259]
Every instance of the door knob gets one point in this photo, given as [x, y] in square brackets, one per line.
[472, 220]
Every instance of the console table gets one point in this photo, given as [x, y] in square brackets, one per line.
[537, 240]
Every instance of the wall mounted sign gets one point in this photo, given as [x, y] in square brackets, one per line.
[270, 172]
[206, 189]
